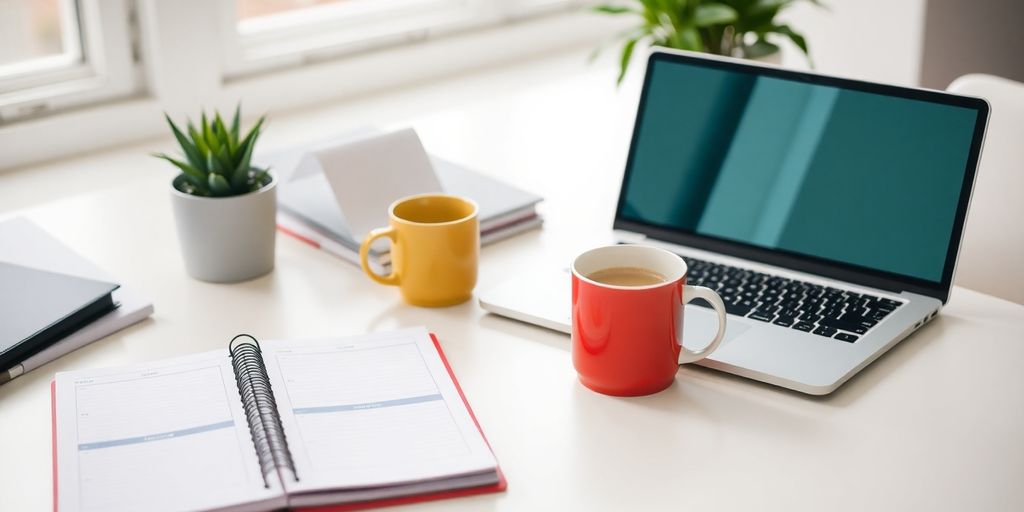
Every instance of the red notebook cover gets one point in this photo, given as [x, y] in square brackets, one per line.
[500, 486]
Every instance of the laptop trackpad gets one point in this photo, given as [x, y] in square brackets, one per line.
[701, 324]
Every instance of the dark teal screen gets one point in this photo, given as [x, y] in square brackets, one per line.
[849, 176]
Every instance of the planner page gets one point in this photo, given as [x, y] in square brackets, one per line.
[169, 435]
[372, 410]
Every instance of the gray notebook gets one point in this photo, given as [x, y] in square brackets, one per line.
[38, 308]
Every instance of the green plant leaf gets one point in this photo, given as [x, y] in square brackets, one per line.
[254, 133]
[759, 49]
[770, 8]
[757, 16]
[218, 185]
[689, 38]
[797, 39]
[627, 54]
[221, 132]
[234, 122]
[613, 9]
[224, 160]
[200, 144]
[630, 33]
[213, 165]
[190, 151]
[208, 136]
[713, 14]
[193, 175]
[204, 127]
[240, 175]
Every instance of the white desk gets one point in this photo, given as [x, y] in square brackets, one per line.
[936, 424]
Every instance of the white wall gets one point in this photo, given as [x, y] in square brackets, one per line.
[877, 40]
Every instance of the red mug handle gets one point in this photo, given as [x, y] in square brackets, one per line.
[691, 293]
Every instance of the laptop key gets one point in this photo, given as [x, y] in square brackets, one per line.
[790, 312]
[764, 317]
[810, 317]
[849, 338]
[836, 323]
[739, 308]
[804, 326]
[857, 320]
[879, 314]
[785, 321]
[825, 331]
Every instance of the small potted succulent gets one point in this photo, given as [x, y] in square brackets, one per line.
[224, 207]
[734, 28]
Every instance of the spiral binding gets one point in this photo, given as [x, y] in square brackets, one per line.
[260, 407]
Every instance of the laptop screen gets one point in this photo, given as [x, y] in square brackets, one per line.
[785, 162]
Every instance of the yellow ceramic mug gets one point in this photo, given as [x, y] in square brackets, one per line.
[435, 244]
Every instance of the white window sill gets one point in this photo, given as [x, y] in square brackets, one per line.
[529, 106]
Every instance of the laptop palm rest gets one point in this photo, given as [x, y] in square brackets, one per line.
[545, 299]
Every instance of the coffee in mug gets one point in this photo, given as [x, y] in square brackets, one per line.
[627, 276]
[627, 319]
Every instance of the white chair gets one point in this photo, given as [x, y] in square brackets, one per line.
[992, 253]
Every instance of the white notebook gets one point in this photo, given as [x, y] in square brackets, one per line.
[296, 424]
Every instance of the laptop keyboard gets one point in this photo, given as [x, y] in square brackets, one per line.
[808, 307]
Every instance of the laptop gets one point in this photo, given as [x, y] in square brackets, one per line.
[826, 212]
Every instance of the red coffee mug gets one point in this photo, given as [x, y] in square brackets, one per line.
[627, 340]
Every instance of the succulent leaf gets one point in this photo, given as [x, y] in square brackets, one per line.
[222, 134]
[216, 162]
[234, 121]
[224, 161]
[218, 185]
[212, 164]
[190, 152]
[200, 145]
[192, 174]
[240, 175]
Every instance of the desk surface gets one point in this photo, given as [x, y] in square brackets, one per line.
[934, 424]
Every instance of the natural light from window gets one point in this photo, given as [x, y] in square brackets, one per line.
[37, 34]
[249, 9]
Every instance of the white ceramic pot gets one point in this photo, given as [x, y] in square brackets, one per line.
[227, 239]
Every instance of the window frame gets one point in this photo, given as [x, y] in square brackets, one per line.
[37, 71]
[330, 31]
[104, 67]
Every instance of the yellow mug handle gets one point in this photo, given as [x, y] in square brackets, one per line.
[364, 253]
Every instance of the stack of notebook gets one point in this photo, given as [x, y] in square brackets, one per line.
[53, 301]
[309, 204]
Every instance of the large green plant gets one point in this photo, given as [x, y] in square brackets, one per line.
[217, 163]
[737, 28]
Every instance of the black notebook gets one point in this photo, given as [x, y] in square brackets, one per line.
[38, 308]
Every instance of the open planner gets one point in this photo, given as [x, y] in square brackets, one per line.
[342, 424]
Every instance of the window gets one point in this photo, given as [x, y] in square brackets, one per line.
[38, 35]
[59, 53]
[276, 33]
